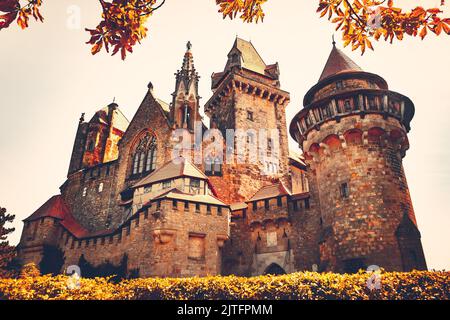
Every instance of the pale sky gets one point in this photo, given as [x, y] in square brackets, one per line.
[48, 78]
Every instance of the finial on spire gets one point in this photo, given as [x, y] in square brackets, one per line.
[82, 118]
[334, 42]
[189, 45]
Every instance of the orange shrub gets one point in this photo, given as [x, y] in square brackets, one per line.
[422, 285]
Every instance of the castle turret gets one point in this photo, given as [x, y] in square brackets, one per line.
[353, 132]
[185, 105]
[247, 98]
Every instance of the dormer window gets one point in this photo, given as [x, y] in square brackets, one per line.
[250, 115]
[194, 186]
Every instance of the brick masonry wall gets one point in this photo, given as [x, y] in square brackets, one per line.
[157, 242]
[296, 246]
[240, 181]
[362, 225]
[347, 85]
[88, 201]
[35, 235]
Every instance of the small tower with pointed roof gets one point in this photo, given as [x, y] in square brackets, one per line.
[185, 104]
[353, 132]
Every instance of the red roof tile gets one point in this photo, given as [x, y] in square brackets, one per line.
[56, 208]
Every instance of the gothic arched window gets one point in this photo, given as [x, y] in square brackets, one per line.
[144, 157]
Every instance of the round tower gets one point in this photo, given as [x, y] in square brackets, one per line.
[353, 133]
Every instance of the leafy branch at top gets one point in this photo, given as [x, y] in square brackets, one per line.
[12, 10]
[122, 25]
[360, 20]
[123, 21]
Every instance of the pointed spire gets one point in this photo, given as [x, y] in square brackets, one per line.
[338, 62]
[187, 74]
[188, 60]
[185, 103]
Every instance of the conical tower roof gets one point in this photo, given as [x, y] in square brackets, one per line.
[338, 62]
[338, 67]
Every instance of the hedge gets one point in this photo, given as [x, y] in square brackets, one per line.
[423, 285]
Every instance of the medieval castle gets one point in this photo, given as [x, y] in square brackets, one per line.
[341, 206]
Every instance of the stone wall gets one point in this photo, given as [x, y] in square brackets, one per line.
[35, 235]
[247, 101]
[357, 166]
[157, 242]
[89, 194]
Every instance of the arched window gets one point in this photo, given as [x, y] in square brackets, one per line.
[186, 117]
[144, 157]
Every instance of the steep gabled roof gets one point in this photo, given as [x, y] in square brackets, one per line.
[172, 169]
[103, 115]
[271, 191]
[200, 198]
[55, 207]
[251, 59]
[338, 62]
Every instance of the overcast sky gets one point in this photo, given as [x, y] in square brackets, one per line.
[48, 78]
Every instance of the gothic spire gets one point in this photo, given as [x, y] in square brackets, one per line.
[188, 60]
[185, 103]
[187, 75]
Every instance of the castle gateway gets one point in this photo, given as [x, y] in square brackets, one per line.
[158, 189]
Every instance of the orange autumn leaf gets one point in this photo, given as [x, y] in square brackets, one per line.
[123, 22]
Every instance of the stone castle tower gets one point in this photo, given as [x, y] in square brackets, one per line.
[247, 97]
[342, 206]
[353, 132]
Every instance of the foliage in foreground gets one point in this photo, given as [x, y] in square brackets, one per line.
[303, 285]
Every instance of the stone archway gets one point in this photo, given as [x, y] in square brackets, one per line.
[274, 269]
